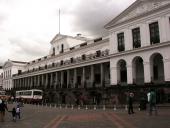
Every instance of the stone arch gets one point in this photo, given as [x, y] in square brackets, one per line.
[138, 70]
[122, 72]
[157, 68]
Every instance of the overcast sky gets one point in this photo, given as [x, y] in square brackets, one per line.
[28, 26]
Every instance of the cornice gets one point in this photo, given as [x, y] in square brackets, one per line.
[161, 10]
[72, 51]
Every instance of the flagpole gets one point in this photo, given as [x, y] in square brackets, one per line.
[59, 21]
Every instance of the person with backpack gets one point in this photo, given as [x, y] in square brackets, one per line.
[18, 112]
[13, 111]
[152, 101]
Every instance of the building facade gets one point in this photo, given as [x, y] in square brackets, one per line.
[134, 57]
[10, 68]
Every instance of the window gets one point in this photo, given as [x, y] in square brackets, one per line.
[53, 51]
[62, 48]
[154, 33]
[120, 38]
[136, 38]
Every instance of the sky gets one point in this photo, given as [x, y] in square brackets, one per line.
[28, 26]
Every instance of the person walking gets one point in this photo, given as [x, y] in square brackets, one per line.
[152, 102]
[18, 112]
[13, 114]
[3, 107]
[130, 103]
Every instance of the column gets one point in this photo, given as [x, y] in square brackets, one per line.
[83, 78]
[46, 80]
[43, 80]
[51, 80]
[56, 80]
[102, 75]
[38, 80]
[129, 74]
[68, 78]
[92, 75]
[147, 72]
[62, 78]
[75, 77]
[166, 69]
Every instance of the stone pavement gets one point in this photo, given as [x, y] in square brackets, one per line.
[51, 117]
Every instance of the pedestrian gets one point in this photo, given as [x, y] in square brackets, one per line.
[13, 114]
[152, 101]
[3, 107]
[130, 103]
[18, 112]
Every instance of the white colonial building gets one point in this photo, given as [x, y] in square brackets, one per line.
[134, 56]
[10, 68]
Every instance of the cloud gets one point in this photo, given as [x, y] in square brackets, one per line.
[28, 26]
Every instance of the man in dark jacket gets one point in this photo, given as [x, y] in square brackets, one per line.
[3, 106]
[130, 103]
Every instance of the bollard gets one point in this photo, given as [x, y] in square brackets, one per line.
[55, 106]
[104, 107]
[78, 106]
[60, 106]
[86, 107]
[50, 105]
[46, 105]
[72, 107]
[94, 107]
[115, 108]
[126, 107]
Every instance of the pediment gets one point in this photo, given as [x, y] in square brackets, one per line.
[57, 38]
[8, 64]
[138, 8]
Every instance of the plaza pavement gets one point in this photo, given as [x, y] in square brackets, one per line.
[51, 117]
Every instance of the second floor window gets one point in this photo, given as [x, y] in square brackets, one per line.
[136, 38]
[154, 33]
[121, 45]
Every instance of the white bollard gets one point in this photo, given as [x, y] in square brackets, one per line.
[126, 107]
[94, 107]
[78, 106]
[60, 106]
[114, 108]
[72, 107]
[50, 105]
[86, 107]
[104, 107]
[55, 106]
[46, 105]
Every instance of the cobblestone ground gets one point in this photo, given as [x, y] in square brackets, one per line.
[50, 117]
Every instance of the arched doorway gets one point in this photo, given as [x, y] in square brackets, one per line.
[157, 68]
[138, 71]
[122, 72]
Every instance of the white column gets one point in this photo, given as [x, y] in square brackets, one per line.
[102, 74]
[113, 75]
[62, 78]
[145, 35]
[167, 70]
[147, 72]
[75, 77]
[129, 74]
[83, 77]
[56, 80]
[68, 78]
[92, 75]
[162, 29]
